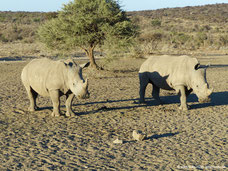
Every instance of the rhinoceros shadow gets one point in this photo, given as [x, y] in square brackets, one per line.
[217, 99]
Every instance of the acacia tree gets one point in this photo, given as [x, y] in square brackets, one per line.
[86, 24]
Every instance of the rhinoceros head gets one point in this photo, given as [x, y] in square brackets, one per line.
[75, 82]
[199, 84]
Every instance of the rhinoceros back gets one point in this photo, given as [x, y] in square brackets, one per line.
[42, 75]
[168, 71]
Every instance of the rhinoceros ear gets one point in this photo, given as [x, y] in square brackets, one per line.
[202, 66]
[84, 65]
[69, 62]
[197, 66]
[194, 63]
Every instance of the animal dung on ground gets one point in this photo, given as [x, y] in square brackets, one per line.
[117, 141]
[138, 135]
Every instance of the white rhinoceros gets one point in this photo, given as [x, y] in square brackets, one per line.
[54, 78]
[181, 73]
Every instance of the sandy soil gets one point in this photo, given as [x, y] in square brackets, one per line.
[175, 140]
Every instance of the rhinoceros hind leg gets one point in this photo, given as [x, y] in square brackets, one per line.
[32, 98]
[155, 93]
[143, 81]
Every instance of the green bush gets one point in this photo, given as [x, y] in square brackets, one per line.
[150, 37]
[3, 39]
[14, 32]
[180, 38]
[36, 20]
[51, 15]
[201, 37]
[156, 23]
[223, 40]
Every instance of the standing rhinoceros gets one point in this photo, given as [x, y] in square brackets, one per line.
[54, 78]
[182, 74]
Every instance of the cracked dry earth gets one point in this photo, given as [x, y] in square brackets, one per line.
[175, 139]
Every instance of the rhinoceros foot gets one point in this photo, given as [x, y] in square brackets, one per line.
[70, 114]
[142, 102]
[55, 114]
[184, 108]
[32, 109]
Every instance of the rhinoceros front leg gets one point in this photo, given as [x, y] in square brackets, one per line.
[55, 98]
[183, 98]
[69, 100]
[143, 81]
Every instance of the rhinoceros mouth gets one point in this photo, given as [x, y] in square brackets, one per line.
[85, 96]
[206, 100]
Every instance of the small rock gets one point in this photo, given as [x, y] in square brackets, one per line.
[138, 135]
[19, 111]
[117, 141]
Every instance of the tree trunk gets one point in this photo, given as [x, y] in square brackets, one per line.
[90, 54]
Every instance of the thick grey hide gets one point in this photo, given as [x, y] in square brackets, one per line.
[54, 78]
[181, 74]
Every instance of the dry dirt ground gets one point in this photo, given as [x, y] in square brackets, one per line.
[176, 140]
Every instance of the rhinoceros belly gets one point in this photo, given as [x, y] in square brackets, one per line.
[37, 82]
[39, 88]
[160, 81]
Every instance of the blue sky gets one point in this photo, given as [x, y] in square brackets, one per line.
[128, 5]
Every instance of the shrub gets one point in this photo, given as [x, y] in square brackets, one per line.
[151, 37]
[51, 15]
[223, 40]
[2, 38]
[14, 32]
[180, 38]
[201, 37]
[156, 23]
[36, 20]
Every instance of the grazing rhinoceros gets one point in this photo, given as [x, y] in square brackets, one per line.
[182, 74]
[54, 78]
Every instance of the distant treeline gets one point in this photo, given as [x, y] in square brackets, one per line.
[187, 28]
[207, 13]
[25, 17]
